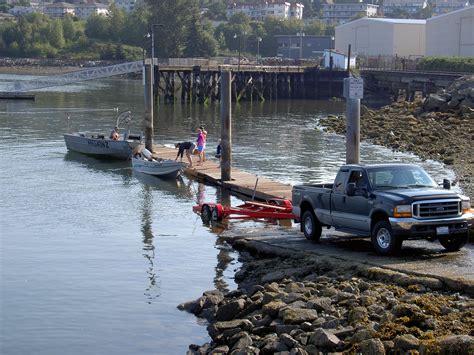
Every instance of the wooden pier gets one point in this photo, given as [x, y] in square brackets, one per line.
[242, 182]
[202, 84]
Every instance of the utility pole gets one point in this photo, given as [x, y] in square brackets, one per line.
[226, 126]
[353, 92]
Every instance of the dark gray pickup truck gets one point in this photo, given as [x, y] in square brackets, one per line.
[389, 203]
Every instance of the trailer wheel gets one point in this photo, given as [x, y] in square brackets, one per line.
[206, 214]
[312, 228]
[454, 243]
[383, 239]
[216, 217]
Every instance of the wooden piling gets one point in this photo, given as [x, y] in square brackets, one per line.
[226, 126]
[148, 72]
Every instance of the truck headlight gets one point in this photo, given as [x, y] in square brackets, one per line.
[466, 206]
[402, 211]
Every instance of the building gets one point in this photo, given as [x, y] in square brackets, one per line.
[84, 11]
[445, 6]
[22, 10]
[383, 37]
[451, 34]
[408, 6]
[339, 60]
[59, 9]
[260, 11]
[303, 47]
[127, 5]
[337, 14]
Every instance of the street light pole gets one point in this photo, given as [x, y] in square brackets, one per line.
[259, 39]
[153, 40]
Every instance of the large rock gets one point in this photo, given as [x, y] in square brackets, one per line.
[434, 102]
[321, 304]
[273, 308]
[292, 315]
[324, 340]
[456, 344]
[372, 347]
[243, 324]
[407, 342]
[230, 310]
[241, 340]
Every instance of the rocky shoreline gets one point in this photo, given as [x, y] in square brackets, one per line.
[439, 128]
[295, 303]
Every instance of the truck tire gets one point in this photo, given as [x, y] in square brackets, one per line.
[312, 228]
[454, 243]
[383, 239]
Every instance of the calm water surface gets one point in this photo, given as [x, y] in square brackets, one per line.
[94, 259]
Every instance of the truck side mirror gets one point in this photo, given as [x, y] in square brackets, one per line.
[446, 184]
[350, 189]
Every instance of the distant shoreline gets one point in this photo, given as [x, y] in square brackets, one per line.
[31, 66]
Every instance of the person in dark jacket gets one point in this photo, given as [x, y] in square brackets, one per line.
[187, 147]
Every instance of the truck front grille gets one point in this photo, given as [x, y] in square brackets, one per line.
[437, 209]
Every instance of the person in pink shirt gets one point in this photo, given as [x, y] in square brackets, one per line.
[201, 144]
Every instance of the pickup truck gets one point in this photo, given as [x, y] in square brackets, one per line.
[389, 203]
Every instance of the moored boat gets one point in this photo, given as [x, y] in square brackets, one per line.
[122, 146]
[164, 168]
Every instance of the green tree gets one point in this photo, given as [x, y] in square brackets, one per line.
[117, 21]
[199, 43]
[97, 27]
[174, 15]
[56, 35]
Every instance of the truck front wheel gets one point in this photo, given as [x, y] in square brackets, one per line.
[383, 239]
[312, 228]
[454, 243]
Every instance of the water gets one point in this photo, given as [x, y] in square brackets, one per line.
[94, 258]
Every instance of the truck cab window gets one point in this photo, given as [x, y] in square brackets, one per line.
[357, 177]
[339, 182]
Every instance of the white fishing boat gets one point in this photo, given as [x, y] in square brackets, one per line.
[164, 168]
[121, 146]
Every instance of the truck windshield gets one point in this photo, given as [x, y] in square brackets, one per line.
[399, 177]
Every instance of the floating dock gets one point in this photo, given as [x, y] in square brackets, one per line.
[243, 183]
[16, 96]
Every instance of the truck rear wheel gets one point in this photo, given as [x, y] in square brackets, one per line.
[383, 239]
[454, 243]
[312, 228]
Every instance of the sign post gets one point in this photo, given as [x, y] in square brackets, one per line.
[353, 92]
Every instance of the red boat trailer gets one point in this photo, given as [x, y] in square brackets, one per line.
[273, 209]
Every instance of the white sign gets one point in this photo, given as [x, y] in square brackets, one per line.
[356, 88]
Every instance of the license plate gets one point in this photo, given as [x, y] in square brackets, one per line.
[442, 230]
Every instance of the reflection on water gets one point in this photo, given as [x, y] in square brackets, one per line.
[152, 291]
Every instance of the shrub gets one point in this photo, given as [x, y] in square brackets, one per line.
[452, 64]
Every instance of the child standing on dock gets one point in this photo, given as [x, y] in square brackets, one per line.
[201, 144]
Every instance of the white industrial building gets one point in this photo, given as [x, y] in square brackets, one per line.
[382, 36]
[451, 34]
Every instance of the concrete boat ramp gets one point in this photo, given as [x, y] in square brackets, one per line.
[421, 262]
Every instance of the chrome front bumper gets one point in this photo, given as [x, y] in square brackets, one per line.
[425, 228]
